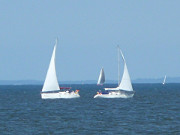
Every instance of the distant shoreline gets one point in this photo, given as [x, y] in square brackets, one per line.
[136, 81]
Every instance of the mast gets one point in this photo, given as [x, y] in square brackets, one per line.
[118, 64]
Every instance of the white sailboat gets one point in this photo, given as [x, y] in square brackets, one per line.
[101, 79]
[164, 81]
[124, 89]
[51, 89]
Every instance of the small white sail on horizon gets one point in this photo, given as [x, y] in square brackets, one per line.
[51, 82]
[164, 81]
[101, 79]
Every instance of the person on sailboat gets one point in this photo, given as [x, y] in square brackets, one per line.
[99, 92]
[76, 91]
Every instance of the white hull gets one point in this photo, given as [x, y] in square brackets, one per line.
[59, 95]
[114, 95]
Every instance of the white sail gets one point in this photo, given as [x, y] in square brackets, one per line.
[101, 79]
[126, 81]
[164, 81]
[51, 82]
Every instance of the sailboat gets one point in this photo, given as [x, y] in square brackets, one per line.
[164, 81]
[124, 89]
[51, 88]
[101, 79]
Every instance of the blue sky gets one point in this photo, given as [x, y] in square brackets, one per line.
[88, 32]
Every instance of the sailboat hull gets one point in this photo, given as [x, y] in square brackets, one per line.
[59, 95]
[114, 95]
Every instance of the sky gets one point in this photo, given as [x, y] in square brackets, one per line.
[89, 32]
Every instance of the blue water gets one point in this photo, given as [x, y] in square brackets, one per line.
[154, 109]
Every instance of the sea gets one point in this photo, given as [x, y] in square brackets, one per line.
[154, 110]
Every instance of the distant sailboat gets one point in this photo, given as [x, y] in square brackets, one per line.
[101, 79]
[164, 81]
[124, 89]
[51, 87]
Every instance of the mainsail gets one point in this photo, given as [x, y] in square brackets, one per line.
[51, 82]
[125, 83]
[164, 81]
[101, 79]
